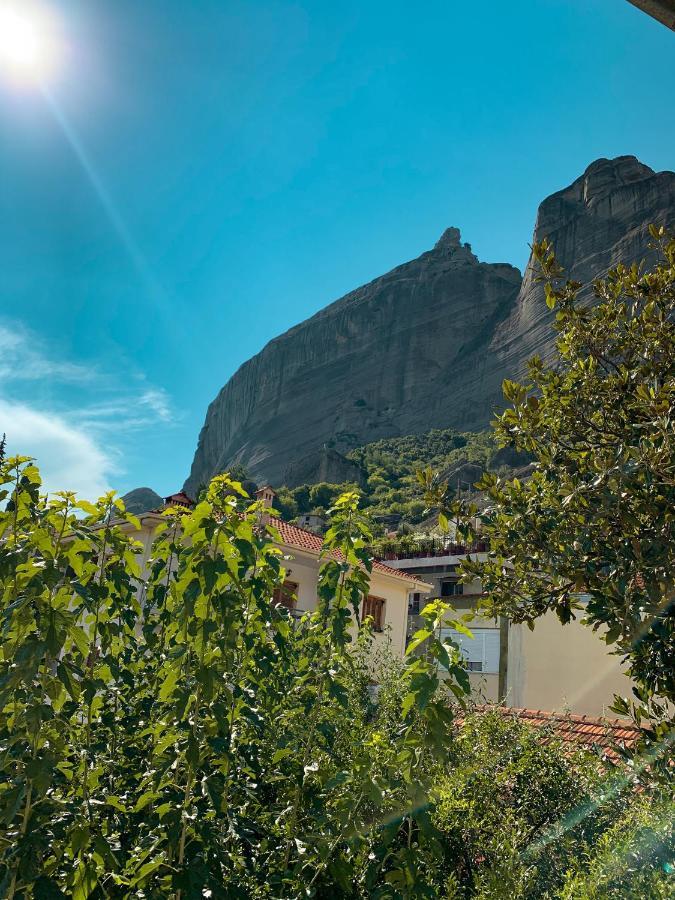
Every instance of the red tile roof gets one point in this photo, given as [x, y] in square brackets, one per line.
[583, 731]
[294, 536]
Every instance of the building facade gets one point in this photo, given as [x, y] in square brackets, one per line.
[554, 667]
[386, 604]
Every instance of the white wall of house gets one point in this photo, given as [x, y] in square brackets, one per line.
[303, 569]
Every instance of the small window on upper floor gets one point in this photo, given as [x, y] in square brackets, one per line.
[373, 607]
[451, 589]
[414, 604]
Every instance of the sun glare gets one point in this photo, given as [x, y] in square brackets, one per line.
[25, 49]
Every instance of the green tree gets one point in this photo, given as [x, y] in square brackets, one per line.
[597, 517]
[181, 735]
[522, 815]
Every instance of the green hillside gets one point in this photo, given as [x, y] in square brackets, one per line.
[390, 487]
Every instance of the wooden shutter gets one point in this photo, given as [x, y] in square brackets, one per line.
[373, 607]
[286, 595]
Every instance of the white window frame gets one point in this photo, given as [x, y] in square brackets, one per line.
[482, 651]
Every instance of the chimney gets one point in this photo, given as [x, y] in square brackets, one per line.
[266, 497]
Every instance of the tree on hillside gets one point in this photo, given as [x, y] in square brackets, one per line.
[597, 518]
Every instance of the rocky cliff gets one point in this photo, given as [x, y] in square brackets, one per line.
[600, 220]
[142, 500]
[426, 345]
[380, 362]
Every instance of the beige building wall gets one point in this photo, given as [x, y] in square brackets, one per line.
[484, 688]
[562, 668]
[302, 568]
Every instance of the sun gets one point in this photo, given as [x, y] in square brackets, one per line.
[25, 49]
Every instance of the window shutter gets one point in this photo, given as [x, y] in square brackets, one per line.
[286, 595]
[373, 607]
[480, 652]
[491, 650]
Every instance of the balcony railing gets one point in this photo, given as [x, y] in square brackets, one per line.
[411, 548]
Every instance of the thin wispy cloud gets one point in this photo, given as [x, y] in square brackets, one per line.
[157, 401]
[23, 358]
[79, 440]
[130, 410]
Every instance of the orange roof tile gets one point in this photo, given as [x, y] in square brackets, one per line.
[294, 536]
[584, 731]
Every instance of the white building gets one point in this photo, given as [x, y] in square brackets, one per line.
[390, 587]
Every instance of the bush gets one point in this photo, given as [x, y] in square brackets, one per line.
[182, 736]
[501, 803]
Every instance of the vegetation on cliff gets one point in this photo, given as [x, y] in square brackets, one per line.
[392, 488]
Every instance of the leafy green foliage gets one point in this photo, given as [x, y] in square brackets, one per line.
[390, 465]
[597, 517]
[175, 733]
[522, 817]
[632, 858]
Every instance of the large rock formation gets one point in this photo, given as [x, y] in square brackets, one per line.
[380, 362]
[600, 220]
[324, 465]
[142, 500]
[426, 345]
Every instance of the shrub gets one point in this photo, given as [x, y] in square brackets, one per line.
[181, 736]
[516, 813]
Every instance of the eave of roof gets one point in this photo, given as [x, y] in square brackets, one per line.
[584, 731]
[295, 537]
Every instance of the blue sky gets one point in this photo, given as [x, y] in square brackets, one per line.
[194, 178]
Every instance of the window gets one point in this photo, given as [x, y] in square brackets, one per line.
[480, 652]
[451, 589]
[286, 596]
[414, 604]
[373, 607]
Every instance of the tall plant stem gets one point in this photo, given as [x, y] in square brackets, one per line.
[187, 796]
[93, 646]
[24, 822]
[311, 731]
[29, 795]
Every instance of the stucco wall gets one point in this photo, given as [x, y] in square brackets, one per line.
[303, 568]
[484, 687]
[558, 667]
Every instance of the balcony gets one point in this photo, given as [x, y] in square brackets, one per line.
[420, 548]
